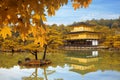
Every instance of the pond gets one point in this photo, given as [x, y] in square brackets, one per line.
[66, 65]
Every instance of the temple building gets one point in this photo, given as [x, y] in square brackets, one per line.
[83, 35]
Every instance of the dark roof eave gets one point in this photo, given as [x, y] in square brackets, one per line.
[80, 39]
[84, 32]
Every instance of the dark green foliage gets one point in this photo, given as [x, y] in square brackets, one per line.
[111, 23]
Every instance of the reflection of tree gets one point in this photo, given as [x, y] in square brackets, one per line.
[8, 61]
[45, 74]
[34, 75]
[109, 61]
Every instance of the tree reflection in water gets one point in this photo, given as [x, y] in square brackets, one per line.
[35, 76]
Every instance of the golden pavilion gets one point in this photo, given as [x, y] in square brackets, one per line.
[83, 35]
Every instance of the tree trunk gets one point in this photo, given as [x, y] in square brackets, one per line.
[36, 57]
[35, 54]
[45, 49]
[12, 51]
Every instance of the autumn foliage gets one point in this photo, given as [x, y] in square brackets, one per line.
[28, 16]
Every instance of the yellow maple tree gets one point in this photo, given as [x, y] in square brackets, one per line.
[20, 12]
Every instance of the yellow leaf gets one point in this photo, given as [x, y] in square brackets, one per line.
[36, 16]
[5, 31]
[23, 36]
[33, 30]
[76, 5]
[81, 3]
[43, 18]
[8, 16]
[42, 30]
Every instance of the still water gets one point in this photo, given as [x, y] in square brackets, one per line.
[67, 65]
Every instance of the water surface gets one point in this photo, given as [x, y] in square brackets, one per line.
[67, 65]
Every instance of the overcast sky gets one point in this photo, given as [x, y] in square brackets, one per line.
[106, 9]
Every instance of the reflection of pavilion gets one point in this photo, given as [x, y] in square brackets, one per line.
[87, 57]
[86, 64]
[79, 67]
[84, 60]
